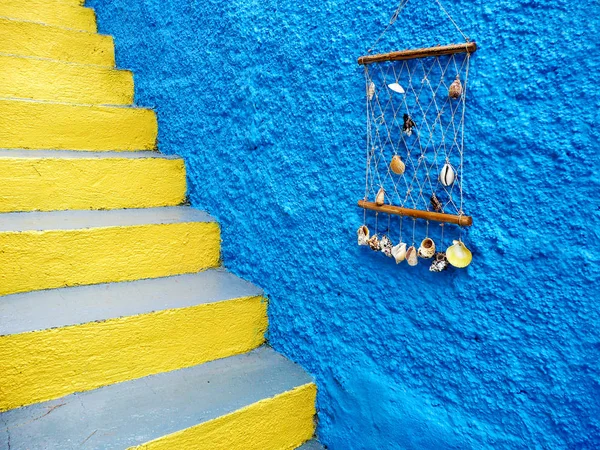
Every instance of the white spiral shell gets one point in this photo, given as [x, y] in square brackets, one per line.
[399, 252]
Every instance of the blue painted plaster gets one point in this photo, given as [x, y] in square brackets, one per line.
[265, 102]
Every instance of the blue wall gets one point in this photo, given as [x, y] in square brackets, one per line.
[265, 101]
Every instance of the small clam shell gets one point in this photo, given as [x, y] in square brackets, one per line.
[411, 256]
[380, 198]
[447, 175]
[455, 90]
[399, 252]
[440, 263]
[458, 255]
[371, 90]
[427, 248]
[397, 165]
[396, 88]
[363, 235]
[374, 243]
[386, 246]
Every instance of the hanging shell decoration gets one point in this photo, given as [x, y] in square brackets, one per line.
[447, 175]
[386, 246]
[363, 235]
[455, 90]
[440, 263]
[396, 88]
[371, 90]
[408, 125]
[397, 165]
[427, 248]
[380, 197]
[399, 252]
[436, 204]
[458, 255]
[411, 256]
[374, 243]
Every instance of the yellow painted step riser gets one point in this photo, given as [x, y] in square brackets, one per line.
[34, 260]
[279, 423]
[112, 183]
[38, 125]
[64, 82]
[48, 364]
[50, 13]
[31, 39]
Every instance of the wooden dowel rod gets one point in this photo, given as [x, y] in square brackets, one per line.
[463, 221]
[467, 47]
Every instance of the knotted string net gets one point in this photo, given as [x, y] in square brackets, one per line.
[411, 115]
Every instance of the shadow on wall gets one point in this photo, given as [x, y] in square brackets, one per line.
[266, 103]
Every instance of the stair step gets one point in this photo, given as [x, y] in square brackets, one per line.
[44, 250]
[312, 445]
[62, 126]
[54, 180]
[43, 41]
[255, 401]
[50, 12]
[60, 341]
[27, 78]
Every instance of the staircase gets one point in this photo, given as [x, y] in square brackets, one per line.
[118, 327]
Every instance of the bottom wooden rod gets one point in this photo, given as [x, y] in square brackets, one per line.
[463, 221]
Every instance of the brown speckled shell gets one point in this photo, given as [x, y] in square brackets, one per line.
[456, 89]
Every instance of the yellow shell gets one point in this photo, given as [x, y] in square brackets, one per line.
[458, 255]
[397, 166]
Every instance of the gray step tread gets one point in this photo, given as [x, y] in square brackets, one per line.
[73, 154]
[134, 412]
[21, 313]
[79, 219]
[311, 445]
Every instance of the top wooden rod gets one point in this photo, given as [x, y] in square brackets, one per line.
[467, 47]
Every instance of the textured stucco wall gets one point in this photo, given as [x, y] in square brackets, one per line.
[265, 101]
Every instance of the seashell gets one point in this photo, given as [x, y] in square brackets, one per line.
[371, 90]
[427, 248]
[396, 88]
[380, 198]
[397, 165]
[411, 256]
[455, 90]
[374, 243]
[408, 124]
[447, 175]
[386, 246]
[458, 255]
[440, 263]
[399, 252]
[436, 204]
[363, 235]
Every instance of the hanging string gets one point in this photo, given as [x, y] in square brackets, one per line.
[389, 25]
[396, 14]
[465, 37]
